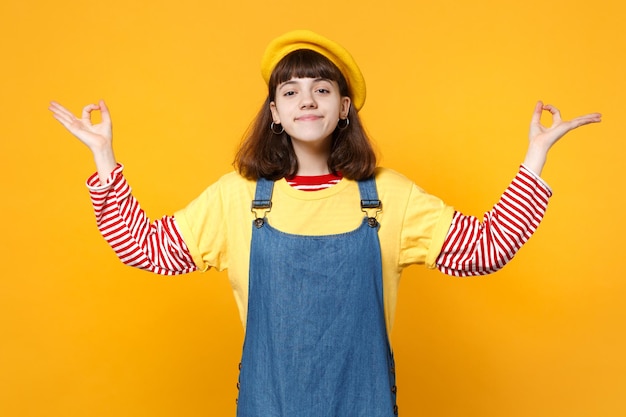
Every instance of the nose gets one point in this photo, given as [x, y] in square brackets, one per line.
[307, 100]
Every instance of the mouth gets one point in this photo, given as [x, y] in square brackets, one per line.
[308, 118]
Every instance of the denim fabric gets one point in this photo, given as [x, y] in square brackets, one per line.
[316, 343]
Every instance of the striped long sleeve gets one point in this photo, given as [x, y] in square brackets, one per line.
[154, 246]
[473, 247]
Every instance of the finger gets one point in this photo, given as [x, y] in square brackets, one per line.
[587, 119]
[596, 117]
[65, 121]
[537, 113]
[62, 115]
[88, 109]
[104, 110]
[59, 109]
[55, 105]
[556, 114]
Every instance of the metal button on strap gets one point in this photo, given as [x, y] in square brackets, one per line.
[394, 389]
[371, 208]
[264, 206]
[395, 409]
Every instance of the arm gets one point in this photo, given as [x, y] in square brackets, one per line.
[154, 246]
[477, 248]
[473, 247]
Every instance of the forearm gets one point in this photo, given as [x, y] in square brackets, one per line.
[473, 247]
[536, 157]
[153, 246]
[104, 159]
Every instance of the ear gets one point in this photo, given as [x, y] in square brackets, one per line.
[345, 107]
[275, 116]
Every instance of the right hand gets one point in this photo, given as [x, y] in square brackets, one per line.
[97, 137]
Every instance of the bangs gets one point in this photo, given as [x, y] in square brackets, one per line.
[305, 63]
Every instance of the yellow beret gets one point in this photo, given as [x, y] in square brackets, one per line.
[305, 39]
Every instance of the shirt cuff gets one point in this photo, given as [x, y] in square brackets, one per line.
[93, 182]
[540, 180]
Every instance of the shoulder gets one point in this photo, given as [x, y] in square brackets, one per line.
[390, 175]
[391, 180]
[228, 188]
[234, 179]
[231, 183]
[395, 188]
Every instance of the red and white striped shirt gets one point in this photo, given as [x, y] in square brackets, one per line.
[471, 247]
[154, 246]
[314, 182]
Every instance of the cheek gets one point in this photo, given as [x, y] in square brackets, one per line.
[281, 105]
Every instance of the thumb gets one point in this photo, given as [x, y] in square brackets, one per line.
[536, 119]
[104, 111]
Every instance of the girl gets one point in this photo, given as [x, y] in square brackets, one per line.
[315, 267]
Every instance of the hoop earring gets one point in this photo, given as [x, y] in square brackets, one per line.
[272, 128]
[343, 123]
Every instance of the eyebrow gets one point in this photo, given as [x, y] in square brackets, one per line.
[290, 82]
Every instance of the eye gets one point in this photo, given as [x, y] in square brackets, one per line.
[289, 93]
[323, 90]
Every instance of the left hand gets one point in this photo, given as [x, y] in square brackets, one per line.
[542, 138]
[545, 137]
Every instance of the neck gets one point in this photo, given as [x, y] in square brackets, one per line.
[312, 158]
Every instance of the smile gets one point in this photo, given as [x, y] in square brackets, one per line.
[308, 117]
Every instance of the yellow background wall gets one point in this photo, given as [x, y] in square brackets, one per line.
[451, 88]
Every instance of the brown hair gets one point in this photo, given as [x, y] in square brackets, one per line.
[265, 154]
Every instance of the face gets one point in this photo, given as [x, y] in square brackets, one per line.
[309, 108]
